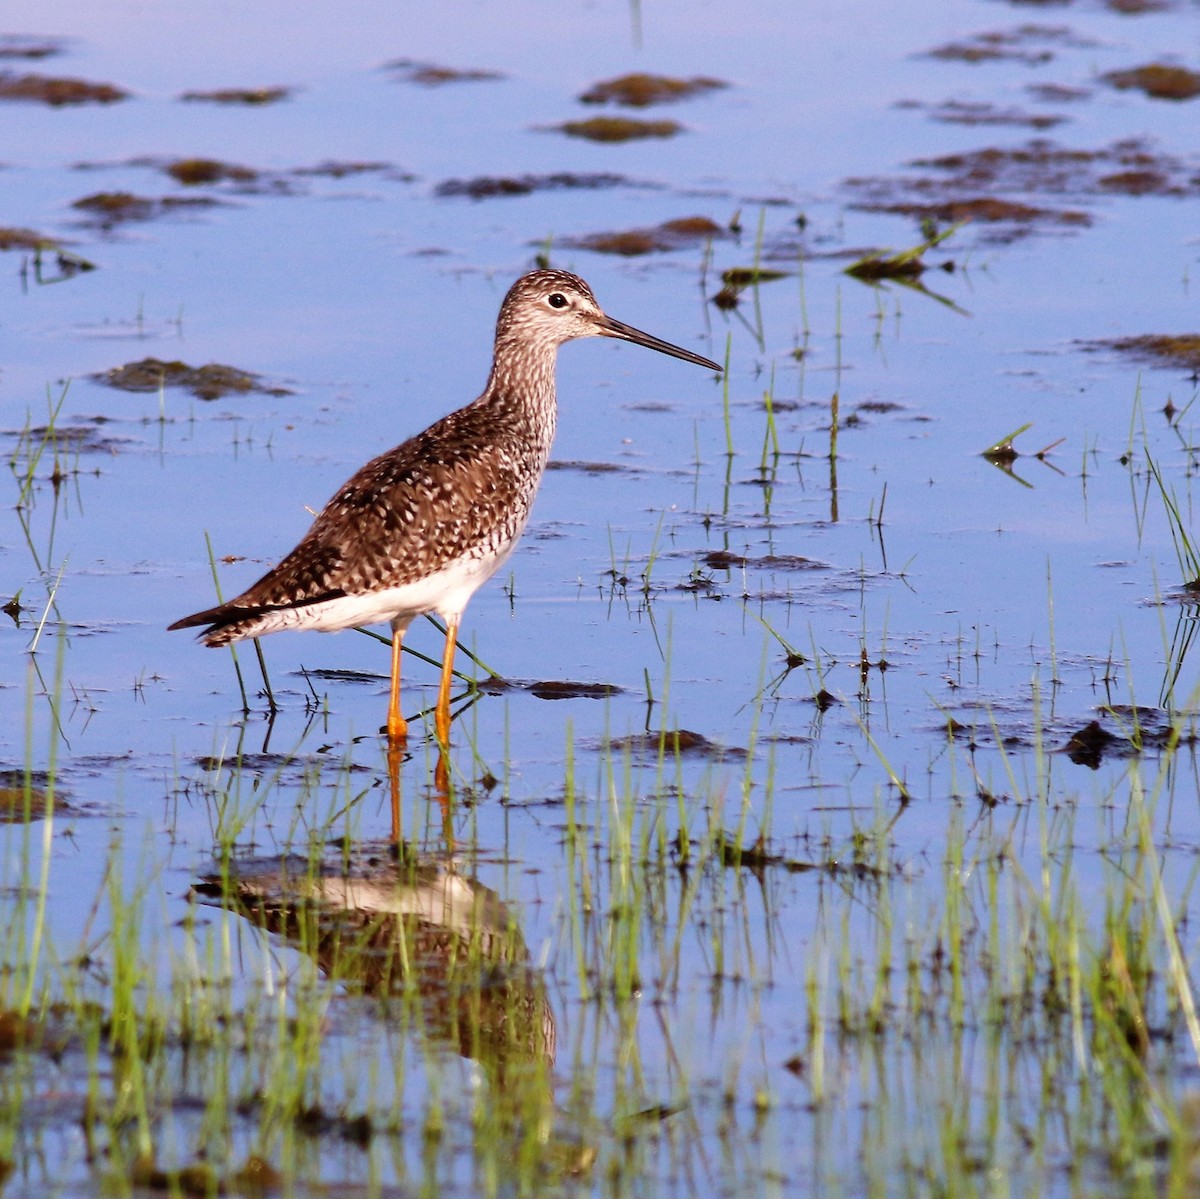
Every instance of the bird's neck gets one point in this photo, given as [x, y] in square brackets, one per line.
[522, 382]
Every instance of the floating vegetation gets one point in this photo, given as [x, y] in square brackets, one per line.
[987, 209]
[57, 92]
[249, 96]
[675, 741]
[429, 74]
[338, 169]
[736, 279]
[1159, 82]
[551, 688]
[1044, 166]
[112, 208]
[28, 796]
[1027, 44]
[906, 264]
[47, 256]
[964, 112]
[1155, 349]
[619, 129]
[12, 238]
[670, 235]
[992, 184]
[642, 90]
[486, 187]
[209, 382]
[194, 171]
[725, 560]
[17, 45]
[1057, 93]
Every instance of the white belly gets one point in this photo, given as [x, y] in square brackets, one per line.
[445, 593]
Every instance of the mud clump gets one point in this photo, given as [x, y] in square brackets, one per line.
[486, 187]
[250, 96]
[1156, 349]
[671, 235]
[960, 112]
[1158, 81]
[619, 129]
[986, 208]
[16, 45]
[642, 90]
[737, 279]
[209, 382]
[193, 171]
[676, 741]
[1057, 93]
[116, 206]
[14, 238]
[111, 208]
[1026, 44]
[1136, 183]
[429, 74]
[57, 91]
[977, 183]
[339, 169]
[25, 797]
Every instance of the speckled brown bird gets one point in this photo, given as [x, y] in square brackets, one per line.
[420, 528]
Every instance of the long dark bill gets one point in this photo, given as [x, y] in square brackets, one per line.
[611, 328]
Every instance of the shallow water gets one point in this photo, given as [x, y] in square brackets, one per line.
[1019, 604]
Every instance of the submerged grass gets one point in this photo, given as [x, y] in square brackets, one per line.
[1036, 999]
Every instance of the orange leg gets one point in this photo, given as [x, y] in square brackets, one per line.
[394, 754]
[441, 719]
[397, 726]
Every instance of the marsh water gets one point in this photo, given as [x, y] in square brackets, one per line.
[823, 815]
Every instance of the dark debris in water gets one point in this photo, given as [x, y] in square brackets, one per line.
[671, 235]
[591, 468]
[15, 238]
[676, 741]
[1158, 80]
[1057, 93]
[28, 797]
[194, 171]
[270, 763]
[1138, 729]
[209, 382]
[994, 184]
[967, 112]
[551, 688]
[108, 209]
[984, 208]
[20, 45]
[339, 169]
[619, 129]
[486, 187]
[90, 438]
[1029, 44]
[1088, 745]
[246, 96]
[1155, 349]
[737, 279]
[725, 560]
[1043, 166]
[256, 1177]
[57, 92]
[640, 90]
[429, 74]
[334, 674]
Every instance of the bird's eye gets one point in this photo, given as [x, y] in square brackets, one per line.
[556, 300]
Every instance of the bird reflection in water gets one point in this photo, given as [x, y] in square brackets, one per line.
[409, 925]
